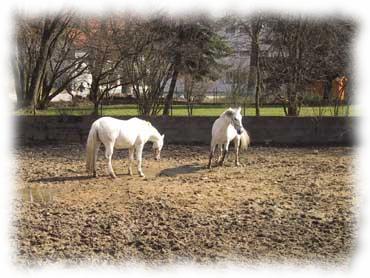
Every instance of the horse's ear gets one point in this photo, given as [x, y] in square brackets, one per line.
[162, 136]
[238, 110]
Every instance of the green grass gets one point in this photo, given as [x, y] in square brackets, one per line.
[180, 110]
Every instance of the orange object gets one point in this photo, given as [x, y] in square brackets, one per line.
[339, 87]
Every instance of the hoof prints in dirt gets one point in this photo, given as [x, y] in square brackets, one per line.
[284, 205]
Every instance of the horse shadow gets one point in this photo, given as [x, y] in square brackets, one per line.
[181, 170]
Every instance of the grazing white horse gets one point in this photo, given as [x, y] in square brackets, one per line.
[129, 134]
[228, 127]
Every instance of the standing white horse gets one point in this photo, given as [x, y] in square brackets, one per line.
[228, 127]
[129, 134]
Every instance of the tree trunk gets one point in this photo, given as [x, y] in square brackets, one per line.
[18, 73]
[94, 96]
[257, 101]
[96, 109]
[189, 107]
[257, 96]
[252, 87]
[39, 70]
[169, 97]
[292, 110]
[31, 91]
[292, 100]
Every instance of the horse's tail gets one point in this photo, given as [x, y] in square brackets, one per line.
[244, 140]
[90, 149]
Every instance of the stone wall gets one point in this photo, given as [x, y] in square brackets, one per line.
[196, 130]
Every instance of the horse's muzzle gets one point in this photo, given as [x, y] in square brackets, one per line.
[239, 131]
[157, 154]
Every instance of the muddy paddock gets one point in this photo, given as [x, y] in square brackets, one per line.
[282, 205]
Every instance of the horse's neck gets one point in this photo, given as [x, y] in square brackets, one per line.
[224, 123]
[154, 135]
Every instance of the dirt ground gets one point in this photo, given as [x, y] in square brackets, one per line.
[283, 205]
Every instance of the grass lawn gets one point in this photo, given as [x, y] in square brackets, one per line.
[180, 110]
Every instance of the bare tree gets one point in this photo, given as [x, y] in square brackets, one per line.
[303, 50]
[63, 68]
[146, 66]
[194, 91]
[195, 48]
[103, 58]
[237, 79]
[247, 34]
[36, 43]
[253, 28]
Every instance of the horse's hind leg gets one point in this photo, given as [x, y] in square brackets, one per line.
[96, 157]
[130, 159]
[108, 155]
[211, 154]
[237, 150]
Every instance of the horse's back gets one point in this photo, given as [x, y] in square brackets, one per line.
[124, 133]
[138, 122]
[108, 124]
[108, 128]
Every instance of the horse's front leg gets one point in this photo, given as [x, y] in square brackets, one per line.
[237, 151]
[220, 155]
[221, 163]
[108, 155]
[130, 159]
[139, 152]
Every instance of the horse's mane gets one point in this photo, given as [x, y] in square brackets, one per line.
[226, 111]
[151, 126]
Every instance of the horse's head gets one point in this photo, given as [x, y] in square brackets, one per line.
[157, 147]
[235, 119]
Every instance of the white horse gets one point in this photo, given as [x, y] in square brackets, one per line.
[129, 134]
[228, 127]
